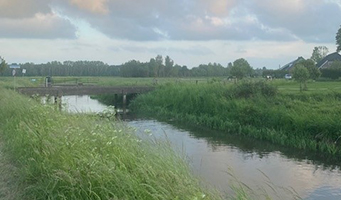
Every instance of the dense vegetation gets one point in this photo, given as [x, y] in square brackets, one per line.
[306, 121]
[63, 156]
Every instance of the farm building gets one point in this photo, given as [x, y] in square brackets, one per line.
[327, 61]
[290, 65]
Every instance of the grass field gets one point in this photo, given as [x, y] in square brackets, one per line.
[284, 86]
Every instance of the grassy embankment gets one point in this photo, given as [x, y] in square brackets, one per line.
[63, 156]
[303, 120]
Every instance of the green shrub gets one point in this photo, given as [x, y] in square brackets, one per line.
[248, 89]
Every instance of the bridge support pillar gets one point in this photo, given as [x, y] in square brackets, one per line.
[115, 100]
[124, 102]
[58, 99]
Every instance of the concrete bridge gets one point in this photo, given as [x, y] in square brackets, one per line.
[59, 91]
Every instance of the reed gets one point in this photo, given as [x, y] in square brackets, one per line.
[306, 121]
[63, 156]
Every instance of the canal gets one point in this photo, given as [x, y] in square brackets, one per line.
[222, 160]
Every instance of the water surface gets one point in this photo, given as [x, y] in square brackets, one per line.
[221, 160]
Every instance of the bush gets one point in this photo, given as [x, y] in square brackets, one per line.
[250, 89]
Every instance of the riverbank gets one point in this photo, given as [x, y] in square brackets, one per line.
[300, 120]
[62, 156]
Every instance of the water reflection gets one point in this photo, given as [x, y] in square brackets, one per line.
[260, 165]
[82, 104]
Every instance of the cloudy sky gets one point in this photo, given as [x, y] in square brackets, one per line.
[267, 33]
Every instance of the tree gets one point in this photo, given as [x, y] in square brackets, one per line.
[3, 66]
[168, 65]
[240, 68]
[301, 75]
[338, 40]
[159, 66]
[319, 53]
[314, 72]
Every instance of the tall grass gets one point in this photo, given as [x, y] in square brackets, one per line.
[305, 121]
[62, 156]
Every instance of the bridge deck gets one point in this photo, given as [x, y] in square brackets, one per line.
[83, 90]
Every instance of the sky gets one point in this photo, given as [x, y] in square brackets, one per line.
[267, 33]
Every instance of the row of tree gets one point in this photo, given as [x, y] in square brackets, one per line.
[67, 68]
[156, 67]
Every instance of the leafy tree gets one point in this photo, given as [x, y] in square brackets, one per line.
[338, 40]
[159, 66]
[184, 71]
[240, 68]
[301, 75]
[168, 65]
[319, 53]
[3, 66]
[314, 72]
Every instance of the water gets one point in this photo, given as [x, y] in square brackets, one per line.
[82, 104]
[221, 159]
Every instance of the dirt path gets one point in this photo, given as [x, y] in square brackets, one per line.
[8, 188]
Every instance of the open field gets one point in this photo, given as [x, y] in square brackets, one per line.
[290, 86]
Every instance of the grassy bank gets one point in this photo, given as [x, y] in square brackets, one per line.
[62, 156]
[305, 121]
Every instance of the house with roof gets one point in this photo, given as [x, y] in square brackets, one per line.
[327, 61]
[288, 67]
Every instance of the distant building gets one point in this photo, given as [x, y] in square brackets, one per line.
[327, 61]
[14, 66]
[290, 65]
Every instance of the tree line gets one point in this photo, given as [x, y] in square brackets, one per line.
[66, 68]
[156, 67]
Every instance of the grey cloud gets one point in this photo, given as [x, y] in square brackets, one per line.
[40, 27]
[32, 19]
[152, 20]
[23, 9]
[190, 50]
[315, 21]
